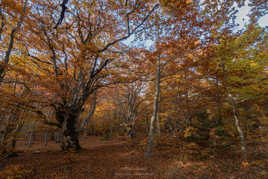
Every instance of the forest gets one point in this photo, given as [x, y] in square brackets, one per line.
[133, 89]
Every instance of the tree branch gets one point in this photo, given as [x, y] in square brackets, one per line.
[130, 33]
[63, 9]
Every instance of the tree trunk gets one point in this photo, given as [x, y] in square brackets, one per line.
[147, 125]
[70, 140]
[168, 126]
[13, 143]
[45, 138]
[131, 131]
[91, 113]
[4, 135]
[158, 125]
[2, 138]
[155, 111]
[30, 139]
[67, 118]
[219, 105]
[239, 130]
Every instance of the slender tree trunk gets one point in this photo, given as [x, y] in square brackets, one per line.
[158, 125]
[30, 139]
[5, 130]
[58, 137]
[155, 111]
[147, 125]
[2, 138]
[31, 135]
[13, 143]
[131, 130]
[45, 138]
[239, 130]
[219, 105]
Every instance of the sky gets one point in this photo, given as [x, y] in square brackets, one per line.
[242, 20]
[264, 21]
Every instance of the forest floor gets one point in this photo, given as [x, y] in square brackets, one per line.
[123, 158]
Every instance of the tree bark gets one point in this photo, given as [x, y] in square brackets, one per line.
[239, 130]
[91, 113]
[147, 125]
[31, 135]
[13, 143]
[30, 138]
[70, 140]
[45, 138]
[158, 125]
[219, 105]
[2, 137]
[155, 111]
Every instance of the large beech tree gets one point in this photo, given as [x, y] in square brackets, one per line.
[63, 61]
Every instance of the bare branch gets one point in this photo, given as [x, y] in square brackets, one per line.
[10, 45]
[63, 9]
[130, 33]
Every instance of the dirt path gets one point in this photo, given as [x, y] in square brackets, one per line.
[118, 159]
[98, 159]
[86, 142]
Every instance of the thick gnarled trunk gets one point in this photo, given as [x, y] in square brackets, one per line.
[67, 120]
[70, 140]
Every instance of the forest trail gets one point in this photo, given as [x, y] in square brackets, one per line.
[90, 142]
[122, 158]
[98, 159]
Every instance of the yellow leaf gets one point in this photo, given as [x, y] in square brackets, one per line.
[196, 42]
[252, 64]
[188, 1]
[188, 132]
[190, 56]
[245, 164]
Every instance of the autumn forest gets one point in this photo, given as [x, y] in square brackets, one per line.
[133, 89]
